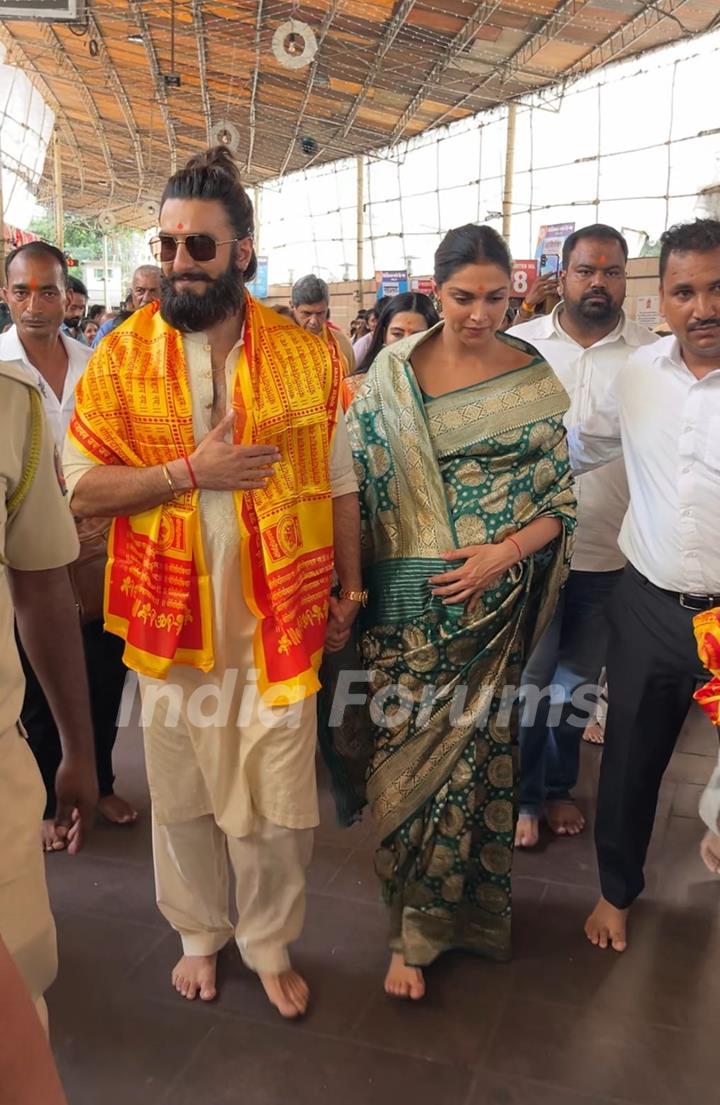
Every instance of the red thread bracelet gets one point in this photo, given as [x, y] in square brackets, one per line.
[193, 481]
[520, 552]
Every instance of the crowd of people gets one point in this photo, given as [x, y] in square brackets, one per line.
[457, 518]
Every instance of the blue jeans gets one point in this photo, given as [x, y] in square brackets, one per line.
[569, 656]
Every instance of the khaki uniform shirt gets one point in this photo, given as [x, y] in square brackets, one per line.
[40, 534]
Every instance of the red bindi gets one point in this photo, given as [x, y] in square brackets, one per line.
[180, 226]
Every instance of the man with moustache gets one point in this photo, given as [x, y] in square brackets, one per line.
[586, 339]
[75, 307]
[310, 305]
[36, 292]
[208, 426]
[662, 415]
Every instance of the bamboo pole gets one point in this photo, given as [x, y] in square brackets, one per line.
[509, 169]
[59, 205]
[360, 257]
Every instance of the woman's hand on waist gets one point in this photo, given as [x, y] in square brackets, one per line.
[484, 564]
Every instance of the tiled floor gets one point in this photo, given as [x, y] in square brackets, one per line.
[564, 1024]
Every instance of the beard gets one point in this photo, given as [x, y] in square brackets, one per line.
[190, 313]
[595, 309]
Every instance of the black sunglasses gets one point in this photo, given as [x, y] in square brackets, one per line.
[201, 247]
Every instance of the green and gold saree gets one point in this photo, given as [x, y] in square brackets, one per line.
[468, 468]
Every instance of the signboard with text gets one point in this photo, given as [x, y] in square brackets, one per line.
[49, 11]
[392, 283]
[524, 275]
[422, 284]
[648, 310]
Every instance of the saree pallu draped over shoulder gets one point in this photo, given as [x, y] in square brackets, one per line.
[469, 468]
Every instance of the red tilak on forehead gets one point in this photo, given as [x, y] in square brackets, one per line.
[33, 283]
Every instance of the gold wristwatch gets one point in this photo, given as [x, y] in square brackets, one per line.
[354, 596]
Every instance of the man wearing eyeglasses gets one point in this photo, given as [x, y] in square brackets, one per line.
[208, 426]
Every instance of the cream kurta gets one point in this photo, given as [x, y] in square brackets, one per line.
[200, 758]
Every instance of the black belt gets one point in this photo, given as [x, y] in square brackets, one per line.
[687, 599]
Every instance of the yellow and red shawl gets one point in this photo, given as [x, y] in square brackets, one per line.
[707, 634]
[133, 407]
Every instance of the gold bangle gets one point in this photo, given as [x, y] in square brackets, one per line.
[171, 485]
[354, 596]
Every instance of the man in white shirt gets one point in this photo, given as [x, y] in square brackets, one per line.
[586, 339]
[35, 292]
[663, 416]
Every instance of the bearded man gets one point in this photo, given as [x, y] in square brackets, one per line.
[208, 427]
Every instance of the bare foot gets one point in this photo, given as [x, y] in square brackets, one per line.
[594, 734]
[51, 842]
[402, 981]
[564, 818]
[116, 810]
[195, 974]
[527, 831]
[606, 926]
[288, 992]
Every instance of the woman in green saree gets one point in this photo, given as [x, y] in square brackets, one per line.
[468, 511]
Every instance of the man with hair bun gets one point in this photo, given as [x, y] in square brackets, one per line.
[207, 426]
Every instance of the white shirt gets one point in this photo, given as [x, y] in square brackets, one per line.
[586, 374]
[59, 411]
[666, 423]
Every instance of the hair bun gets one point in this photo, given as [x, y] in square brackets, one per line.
[218, 159]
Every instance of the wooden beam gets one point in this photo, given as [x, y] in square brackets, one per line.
[122, 98]
[324, 28]
[63, 60]
[518, 61]
[256, 78]
[200, 38]
[456, 47]
[391, 32]
[616, 44]
[136, 8]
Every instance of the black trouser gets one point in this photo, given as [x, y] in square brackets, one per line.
[106, 678]
[653, 669]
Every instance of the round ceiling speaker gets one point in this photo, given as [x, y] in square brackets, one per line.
[106, 220]
[226, 134]
[150, 208]
[294, 44]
